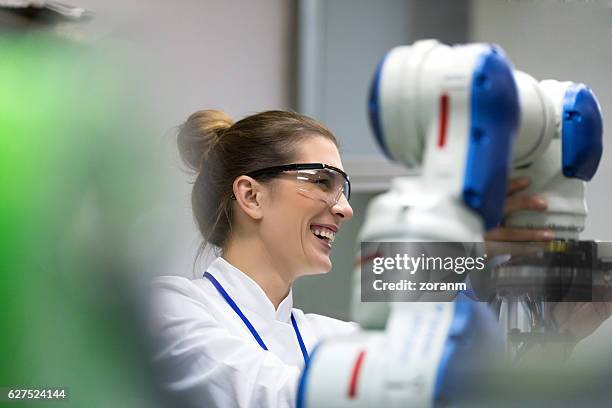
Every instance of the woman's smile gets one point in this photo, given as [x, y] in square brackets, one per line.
[325, 234]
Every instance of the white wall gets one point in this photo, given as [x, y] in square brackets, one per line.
[569, 40]
[194, 54]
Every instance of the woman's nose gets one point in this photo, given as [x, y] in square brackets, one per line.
[342, 208]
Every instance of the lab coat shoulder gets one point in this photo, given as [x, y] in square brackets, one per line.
[203, 364]
[167, 288]
[328, 327]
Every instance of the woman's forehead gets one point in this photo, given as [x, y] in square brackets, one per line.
[318, 149]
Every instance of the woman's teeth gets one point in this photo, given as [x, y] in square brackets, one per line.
[330, 236]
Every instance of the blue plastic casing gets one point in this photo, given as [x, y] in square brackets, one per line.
[581, 133]
[374, 111]
[494, 122]
[473, 348]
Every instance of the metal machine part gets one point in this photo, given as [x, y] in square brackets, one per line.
[529, 286]
[34, 7]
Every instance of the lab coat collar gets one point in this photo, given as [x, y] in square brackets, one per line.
[247, 293]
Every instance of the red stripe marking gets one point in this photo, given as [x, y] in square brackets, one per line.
[352, 391]
[443, 120]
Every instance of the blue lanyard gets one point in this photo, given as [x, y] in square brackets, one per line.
[248, 324]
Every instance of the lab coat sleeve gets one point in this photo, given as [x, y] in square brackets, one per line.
[201, 364]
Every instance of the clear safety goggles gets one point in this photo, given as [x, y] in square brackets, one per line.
[314, 180]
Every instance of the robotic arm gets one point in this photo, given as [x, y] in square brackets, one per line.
[453, 112]
[558, 145]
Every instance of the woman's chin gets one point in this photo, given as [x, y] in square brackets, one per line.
[321, 265]
[319, 255]
[316, 264]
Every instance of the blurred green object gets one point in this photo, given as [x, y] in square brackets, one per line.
[76, 175]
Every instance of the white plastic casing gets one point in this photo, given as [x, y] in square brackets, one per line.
[398, 367]
[414, 78]
[538, 122]
[537, 155]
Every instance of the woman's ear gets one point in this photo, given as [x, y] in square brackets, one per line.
[248, 195]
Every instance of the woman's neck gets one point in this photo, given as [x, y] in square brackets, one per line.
[254, 260]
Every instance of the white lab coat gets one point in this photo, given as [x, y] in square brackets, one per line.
[207, 356]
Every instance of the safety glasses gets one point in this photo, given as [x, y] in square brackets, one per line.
[314, 180]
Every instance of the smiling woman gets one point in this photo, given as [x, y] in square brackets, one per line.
[270, 194]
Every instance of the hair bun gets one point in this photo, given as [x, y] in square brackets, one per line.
[199, 134]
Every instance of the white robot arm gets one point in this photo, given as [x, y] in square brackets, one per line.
[452, 111]
[558, 146]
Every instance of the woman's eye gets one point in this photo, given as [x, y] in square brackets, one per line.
[323, 183]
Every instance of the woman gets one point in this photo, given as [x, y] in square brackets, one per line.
[271, 195]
